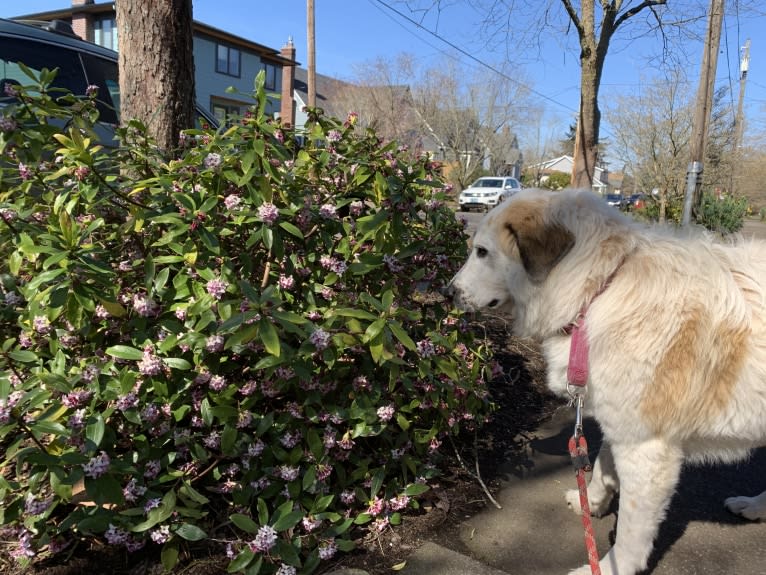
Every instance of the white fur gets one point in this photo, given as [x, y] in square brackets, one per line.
[677, 343]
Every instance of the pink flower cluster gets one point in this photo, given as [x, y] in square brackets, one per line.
[264, 540]
[97, 465]
[268, 213]
[216, 288]
[320, 339]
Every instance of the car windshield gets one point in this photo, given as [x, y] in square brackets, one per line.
[488, 183]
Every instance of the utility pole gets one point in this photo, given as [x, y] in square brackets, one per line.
[311, 53]
[703, 106]
[744, 64]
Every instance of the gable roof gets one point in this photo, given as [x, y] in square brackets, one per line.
[325, 88]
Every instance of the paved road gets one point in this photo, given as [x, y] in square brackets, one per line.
[754, 228]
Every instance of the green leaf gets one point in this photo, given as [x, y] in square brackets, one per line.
[48, 427]
[309, 478]
[95, 431]
[288, 553]
[414, 489]
[125, 352]
[322, 503]
[158, 514]
[105, 489]
[255, 568]
[288, 521]
[228, 440]
[23, 356]
[244, 523]
[345, 545]
[291, 229]
[263, 511]
[368, 225]
[315, 443]
[374, 329]
[446, 367]
[190, 532]
[400, 334]
[362, 518]
[169, 555]
[377, 482]
[43, 278]
[241, 561]
[188, 491]
[355, 313]
[269, 336]
[177, 363]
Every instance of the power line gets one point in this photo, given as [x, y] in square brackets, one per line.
[472, 57]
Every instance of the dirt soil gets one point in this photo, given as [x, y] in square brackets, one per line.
[522, 404]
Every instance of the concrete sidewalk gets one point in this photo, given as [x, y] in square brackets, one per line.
[535, 532]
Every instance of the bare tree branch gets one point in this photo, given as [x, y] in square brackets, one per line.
[633, 11]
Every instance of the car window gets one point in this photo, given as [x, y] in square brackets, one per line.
[103, 74]
[36, 55]
[490, 183]
[70, 75]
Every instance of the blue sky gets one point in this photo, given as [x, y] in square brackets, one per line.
[350, 32]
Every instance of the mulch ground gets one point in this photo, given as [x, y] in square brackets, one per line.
[522, 404]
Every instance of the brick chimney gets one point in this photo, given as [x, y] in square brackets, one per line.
[287, 112]
[82, 23]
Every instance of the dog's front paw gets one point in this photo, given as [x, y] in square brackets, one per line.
[752, 508]
[596, 508]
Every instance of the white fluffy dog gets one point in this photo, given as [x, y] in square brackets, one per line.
[677, 335]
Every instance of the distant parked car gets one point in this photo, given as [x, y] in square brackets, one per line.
[615, 200]
[487, 192]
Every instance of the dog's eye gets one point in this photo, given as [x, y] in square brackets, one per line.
[481, 252]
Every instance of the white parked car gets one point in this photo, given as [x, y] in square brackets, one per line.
[487, 192]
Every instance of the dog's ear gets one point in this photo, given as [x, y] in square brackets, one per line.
[541, 243]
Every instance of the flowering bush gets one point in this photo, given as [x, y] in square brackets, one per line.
[243, 344]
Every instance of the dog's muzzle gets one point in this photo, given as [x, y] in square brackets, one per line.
[456, 296]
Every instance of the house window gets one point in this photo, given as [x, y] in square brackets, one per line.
[226, 111]
[105, 32]
[227, 60]
[271, 77]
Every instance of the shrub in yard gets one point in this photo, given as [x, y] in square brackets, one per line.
[724, 215]
[557, 181]
[243, 344]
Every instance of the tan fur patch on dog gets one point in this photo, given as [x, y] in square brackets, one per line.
[541, 243]
[695, 379]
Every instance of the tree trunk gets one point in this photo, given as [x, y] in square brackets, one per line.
[586, 141]
[157, 66]
[593, 52]
[592, 56]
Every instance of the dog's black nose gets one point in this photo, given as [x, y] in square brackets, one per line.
[448, 291]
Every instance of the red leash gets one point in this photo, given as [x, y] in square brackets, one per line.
[578, 450]
[577, 377]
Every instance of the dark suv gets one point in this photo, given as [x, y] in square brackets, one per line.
[80, 64]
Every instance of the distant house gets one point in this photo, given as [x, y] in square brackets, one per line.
[221, 59]
[564, 164]
[325, 89]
